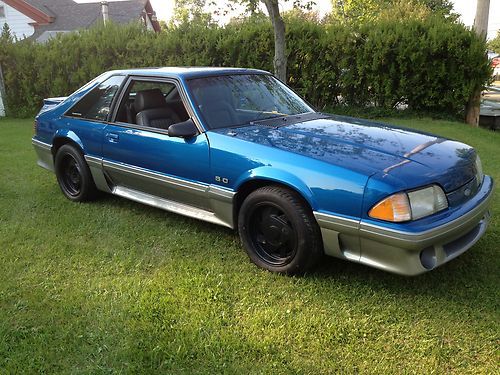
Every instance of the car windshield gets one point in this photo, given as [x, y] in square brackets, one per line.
[232, 100]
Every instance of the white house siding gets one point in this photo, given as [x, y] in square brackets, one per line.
[149, 24]
[19, 24]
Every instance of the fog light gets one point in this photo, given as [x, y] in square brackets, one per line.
[428, 258]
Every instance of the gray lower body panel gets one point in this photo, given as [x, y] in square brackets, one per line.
[201, 201]
[43, 150]
[95, 166]
[172, 206]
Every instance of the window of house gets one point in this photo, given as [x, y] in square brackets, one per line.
[96, 104]
[2, 11]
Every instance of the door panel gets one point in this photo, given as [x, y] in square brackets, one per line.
[154, 163]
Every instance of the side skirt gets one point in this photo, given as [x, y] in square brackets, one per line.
[168, 205]
[221, 200]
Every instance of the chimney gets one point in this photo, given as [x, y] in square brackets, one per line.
[105, 11]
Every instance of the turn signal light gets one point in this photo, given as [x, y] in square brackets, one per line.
[413, 205]
[395, 208]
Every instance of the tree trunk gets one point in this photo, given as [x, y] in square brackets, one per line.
[481, 28]
[279, 38]
[2, 94]
[472, 108]
[481, 20]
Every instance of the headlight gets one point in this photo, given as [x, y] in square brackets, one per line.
[413, 205]
[479, 171]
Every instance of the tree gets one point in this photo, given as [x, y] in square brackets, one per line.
[6, 35]
[280, 60]
[186, 11]
[194, 10]
[403, 10]
[272, 6]
[6, 40]
[481, 19]
[472, 109]
[443, 7]
[494, 44]
[359, 11]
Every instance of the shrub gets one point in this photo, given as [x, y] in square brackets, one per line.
[427, 64]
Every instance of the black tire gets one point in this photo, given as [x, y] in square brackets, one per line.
[73, 174]
[279, 231]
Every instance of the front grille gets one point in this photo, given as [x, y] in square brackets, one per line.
[463, 193]
[457, 245]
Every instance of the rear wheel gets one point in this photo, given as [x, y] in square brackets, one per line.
[73, 174]
[278, 231]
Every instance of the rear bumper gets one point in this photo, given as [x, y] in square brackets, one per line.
[43, 150]
[411, 253]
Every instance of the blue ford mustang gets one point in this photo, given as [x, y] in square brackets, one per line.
[238, 148]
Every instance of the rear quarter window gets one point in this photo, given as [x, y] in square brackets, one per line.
[96, 104]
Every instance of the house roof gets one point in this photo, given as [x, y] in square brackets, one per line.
[33, 10]
[66, 15]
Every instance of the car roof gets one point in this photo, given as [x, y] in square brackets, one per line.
[188, 72]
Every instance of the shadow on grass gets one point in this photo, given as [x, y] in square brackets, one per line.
[469, 282]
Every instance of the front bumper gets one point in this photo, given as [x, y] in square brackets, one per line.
[407, 252]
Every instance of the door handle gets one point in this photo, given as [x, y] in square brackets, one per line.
[112, 137]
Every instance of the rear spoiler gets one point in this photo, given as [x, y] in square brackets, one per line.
[50, 103]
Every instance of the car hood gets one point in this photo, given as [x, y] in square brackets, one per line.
[369, 147]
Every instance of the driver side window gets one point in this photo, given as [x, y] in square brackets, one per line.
[154, 104]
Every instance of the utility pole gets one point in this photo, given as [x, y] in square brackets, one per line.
[481, 29]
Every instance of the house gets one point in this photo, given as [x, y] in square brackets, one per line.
[42, 19]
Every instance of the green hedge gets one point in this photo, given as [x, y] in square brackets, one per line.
[429, 65]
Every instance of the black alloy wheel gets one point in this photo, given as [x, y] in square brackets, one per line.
[73, 174]
[279, 231]
[71, 177]
[272, 234]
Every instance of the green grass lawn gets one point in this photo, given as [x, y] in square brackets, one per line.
[114, 286]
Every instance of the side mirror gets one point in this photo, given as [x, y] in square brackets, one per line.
[185, 129]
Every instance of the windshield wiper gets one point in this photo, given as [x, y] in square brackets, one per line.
[278, 121]
[260, 120]
[272, 115]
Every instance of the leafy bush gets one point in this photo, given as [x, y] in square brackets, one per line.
[427, 65]
[494, 44]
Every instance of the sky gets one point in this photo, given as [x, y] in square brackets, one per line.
[466, 9]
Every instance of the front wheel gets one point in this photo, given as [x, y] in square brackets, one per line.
[73, 174]
[279, 231]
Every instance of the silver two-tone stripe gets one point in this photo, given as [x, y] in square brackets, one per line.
[40, 144]
[141, 172]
